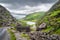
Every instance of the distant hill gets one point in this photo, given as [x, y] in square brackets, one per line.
[34, 16]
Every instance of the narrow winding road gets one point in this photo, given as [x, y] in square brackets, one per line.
[4, 34]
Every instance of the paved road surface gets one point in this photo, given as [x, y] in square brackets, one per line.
[4, 34]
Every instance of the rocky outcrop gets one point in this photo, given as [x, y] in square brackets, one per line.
[42, 26]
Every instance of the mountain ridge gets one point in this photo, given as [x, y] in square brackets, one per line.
[6, 19]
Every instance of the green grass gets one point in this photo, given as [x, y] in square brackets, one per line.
[47, 29]
[12, 36]
[57, 32]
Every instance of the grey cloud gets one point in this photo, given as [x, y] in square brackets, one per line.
[19, 4]
[24, 1]
[27, 2]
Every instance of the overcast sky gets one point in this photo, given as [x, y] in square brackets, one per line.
[26, 6]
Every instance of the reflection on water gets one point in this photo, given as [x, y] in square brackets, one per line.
[30, 23]
[33, 24]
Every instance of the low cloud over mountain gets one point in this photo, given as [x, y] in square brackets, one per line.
[27, 6]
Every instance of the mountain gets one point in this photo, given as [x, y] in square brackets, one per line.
[34, 16]
[52, 20]
[6, 19]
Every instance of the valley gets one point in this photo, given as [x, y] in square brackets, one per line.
[35, 26]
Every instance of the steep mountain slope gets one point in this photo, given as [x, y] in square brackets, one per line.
[52, 20]
[6, 19]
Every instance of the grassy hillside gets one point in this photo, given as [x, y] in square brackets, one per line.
[52, 20]
[34, 16]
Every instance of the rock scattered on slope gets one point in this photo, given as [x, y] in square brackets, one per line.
[43, 36]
